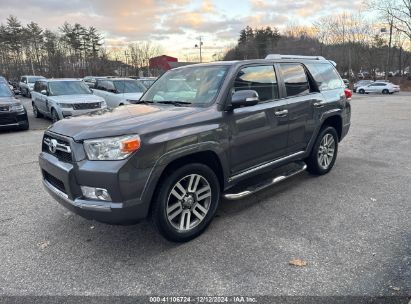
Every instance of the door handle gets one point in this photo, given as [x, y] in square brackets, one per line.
[281, 113]
[318, 104]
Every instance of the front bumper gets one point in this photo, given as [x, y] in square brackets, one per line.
[70, 176]
[9, 120]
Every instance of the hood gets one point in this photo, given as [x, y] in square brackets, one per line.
[130, 119]
[6, 101]
[79, 98]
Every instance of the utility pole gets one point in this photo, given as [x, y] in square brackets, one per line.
[199, 46]
[389, 50]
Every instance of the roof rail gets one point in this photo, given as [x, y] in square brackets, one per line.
[279, 56]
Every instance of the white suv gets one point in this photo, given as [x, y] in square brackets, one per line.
[26, 84]
[60, 98]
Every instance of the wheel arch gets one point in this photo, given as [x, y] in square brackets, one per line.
[336, 122]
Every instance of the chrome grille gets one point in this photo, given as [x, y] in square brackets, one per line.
[57, 147]
[86, 106]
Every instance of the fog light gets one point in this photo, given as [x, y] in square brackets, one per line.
[96, 193]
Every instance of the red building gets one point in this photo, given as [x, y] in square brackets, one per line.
[164, 63]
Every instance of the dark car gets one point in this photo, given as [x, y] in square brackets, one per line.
[13, 115]
[199, 133]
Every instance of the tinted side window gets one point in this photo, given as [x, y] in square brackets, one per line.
[43, 86]
[295, 79]
[325, 75]
[37, 87]
[23, 79]
[261, 79]
[101, 85]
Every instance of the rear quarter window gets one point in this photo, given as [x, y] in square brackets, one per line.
[326, 76]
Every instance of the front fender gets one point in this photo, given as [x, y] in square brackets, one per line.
[171, 156]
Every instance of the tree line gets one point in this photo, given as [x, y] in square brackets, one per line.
[379, 48]
[71, 51]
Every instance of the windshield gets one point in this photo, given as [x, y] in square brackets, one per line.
[128, 86]
[34, 79]
[68, 88]
[5, 90]
[196, 85]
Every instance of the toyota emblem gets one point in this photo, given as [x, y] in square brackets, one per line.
[53, 146]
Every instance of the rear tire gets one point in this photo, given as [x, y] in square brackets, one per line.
[324, 152]
[186, 202]
[385, 91]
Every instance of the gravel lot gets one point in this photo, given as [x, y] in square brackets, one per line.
[351, 226]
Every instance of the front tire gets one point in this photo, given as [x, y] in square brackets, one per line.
[324, 152]
[36, 112]
[186, 202]
[361, 91]
[54, 116]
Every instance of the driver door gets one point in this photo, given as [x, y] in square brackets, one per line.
[258, 134]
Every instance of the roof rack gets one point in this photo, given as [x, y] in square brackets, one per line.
[279, 56]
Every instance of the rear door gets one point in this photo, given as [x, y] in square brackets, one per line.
[301, 97]
[258, 135]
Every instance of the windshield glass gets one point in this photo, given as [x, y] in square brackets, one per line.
[5, 90]
[196, 85]
[34, 79]
[128, 86]
[68, 88]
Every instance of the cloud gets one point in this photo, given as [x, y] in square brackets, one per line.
[173, 23]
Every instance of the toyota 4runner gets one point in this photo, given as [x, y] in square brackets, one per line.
[199, 133]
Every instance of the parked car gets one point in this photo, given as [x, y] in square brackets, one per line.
[147, 81]
[13, 114]
[26, 84]
[61, 98]
[361, 83]
[346, 83]
[379, 87]
[91, 80]
[119, 91]
[4, 80]
[174, 154]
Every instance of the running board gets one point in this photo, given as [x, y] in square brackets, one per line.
[299, 167]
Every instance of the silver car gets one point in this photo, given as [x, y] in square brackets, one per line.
[26, 84]
[61, 98]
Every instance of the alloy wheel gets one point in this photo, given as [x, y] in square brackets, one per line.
[326, 151]
[188, 202]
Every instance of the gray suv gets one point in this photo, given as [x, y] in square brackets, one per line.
[199, 133]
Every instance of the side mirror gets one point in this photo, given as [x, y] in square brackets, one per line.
[44, 92]
[245, 98]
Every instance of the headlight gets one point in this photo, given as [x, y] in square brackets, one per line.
[17, 108]
[103, 104]
[65, 105]
[112, 148]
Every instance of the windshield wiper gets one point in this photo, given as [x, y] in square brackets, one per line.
[175, 102]
[143, 101]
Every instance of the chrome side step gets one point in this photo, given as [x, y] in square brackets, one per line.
[300, 167]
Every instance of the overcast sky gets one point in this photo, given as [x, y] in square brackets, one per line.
[173, 24]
